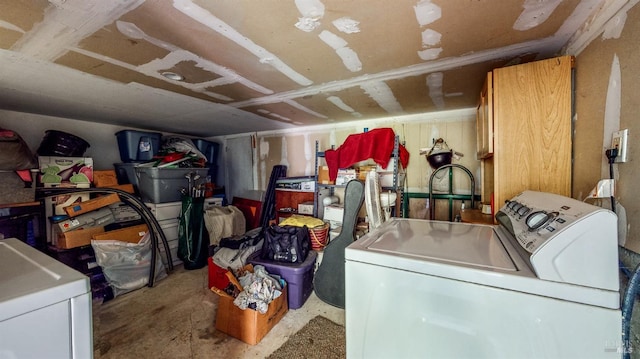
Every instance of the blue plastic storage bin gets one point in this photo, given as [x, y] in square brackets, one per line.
[138, 146]
[208, 148]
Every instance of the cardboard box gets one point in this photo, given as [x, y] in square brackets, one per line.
[123, 212]
[105, 178]
[128, 187]
[305, 183]
[59, 202]
[323, 175]
[101, 217]
[334, 213]
[345, 175]
[364, 170]
[77, 238]
[92, 204]
[305, 208]
[55, 171]
[249, 325]
[131, 234]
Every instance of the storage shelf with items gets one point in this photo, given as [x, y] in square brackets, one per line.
[391, 179]
[295, 195]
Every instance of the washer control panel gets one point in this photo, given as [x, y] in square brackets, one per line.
[534, 218]
[563, 239]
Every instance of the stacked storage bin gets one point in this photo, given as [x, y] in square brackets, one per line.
[299, 276]
[210, 150]
[135, 147]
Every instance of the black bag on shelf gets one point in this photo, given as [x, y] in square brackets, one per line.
[289, 244]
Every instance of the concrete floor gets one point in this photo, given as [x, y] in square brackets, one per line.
[175, 319]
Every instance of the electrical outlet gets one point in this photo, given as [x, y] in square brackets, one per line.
[619, 141]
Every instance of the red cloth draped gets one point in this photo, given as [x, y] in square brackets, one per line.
[376, 144]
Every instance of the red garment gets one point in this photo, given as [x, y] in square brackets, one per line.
[376, 144]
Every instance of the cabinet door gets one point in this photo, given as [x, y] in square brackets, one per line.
[532, 128]
[484, 120]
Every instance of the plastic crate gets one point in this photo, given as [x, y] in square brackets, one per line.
[161, 185]
[208, 148]
[299, 276]
[138, 146]
[126, 174]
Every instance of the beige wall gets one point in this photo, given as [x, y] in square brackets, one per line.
[593, 126]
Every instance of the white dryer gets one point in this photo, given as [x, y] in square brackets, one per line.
[541, 284]
[45, 306]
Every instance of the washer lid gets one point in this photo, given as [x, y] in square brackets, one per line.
[457, 243]
[30, 280]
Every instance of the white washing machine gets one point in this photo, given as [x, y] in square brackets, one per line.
[541, 284]
[45, 306]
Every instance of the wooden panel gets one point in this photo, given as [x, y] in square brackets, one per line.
[487, 184]
[532, 117]
[287, 201]
[484, 119]
[251, 209]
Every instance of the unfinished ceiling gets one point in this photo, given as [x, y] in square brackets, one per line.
[257, 65]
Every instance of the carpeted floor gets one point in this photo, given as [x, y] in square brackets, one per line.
[320, 338]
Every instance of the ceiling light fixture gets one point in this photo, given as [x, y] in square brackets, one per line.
[172, 76]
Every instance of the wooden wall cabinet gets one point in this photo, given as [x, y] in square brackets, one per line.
[531, 112]
[484, 120]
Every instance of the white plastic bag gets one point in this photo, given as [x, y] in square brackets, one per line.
[126, 265]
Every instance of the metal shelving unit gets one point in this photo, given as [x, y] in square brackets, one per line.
[397, 187]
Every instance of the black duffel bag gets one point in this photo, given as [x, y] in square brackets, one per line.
[289, 244]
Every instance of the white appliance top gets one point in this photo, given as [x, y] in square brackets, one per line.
[574, 256]
[457, 243]
[30, 280]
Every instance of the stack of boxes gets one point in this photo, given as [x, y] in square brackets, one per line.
[76, 219]
[72, 236]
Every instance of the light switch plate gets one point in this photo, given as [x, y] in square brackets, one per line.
[619, 140]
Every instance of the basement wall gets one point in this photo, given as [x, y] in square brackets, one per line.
[607, 88]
